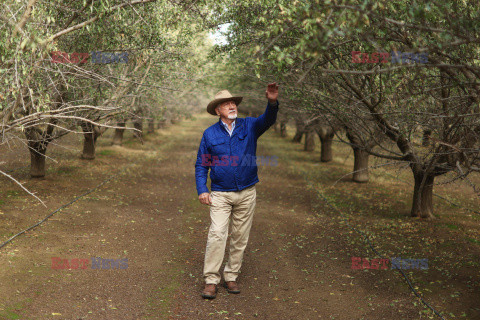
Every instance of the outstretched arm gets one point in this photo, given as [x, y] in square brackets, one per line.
[268, 118]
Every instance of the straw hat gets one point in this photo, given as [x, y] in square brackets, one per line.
[220, 97]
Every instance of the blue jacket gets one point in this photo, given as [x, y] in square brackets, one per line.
[232, 160]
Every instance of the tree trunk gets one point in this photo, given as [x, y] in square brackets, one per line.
[138, 124]
[89, 146]
[326, 135]
[37, 161]
[118, 136]
[426, 137]
[283, 129]
[422, 205]
[38, 141]
[360, 166]
[90, 137]
[151, 126]
[326, 154]
[309, 140]
[300, 130]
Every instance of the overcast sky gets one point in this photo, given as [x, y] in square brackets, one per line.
[217, 37]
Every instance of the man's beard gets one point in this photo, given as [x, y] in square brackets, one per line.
[232, 116]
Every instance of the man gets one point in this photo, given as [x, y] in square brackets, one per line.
[228, 149]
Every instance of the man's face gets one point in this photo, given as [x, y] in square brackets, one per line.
[227, 110]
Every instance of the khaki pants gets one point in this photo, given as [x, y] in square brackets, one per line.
[240, 205]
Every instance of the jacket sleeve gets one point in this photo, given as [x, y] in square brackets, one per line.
[202, 165]
[266, 120]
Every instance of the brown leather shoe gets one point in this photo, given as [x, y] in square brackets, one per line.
[210, 291]
[232, 286]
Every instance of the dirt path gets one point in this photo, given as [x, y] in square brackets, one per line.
[297, 263]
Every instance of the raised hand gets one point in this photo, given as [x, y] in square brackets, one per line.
[272, 92]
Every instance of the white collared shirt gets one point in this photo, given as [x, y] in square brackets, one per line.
[226, 127]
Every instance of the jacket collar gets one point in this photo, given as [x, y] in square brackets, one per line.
[234, 123]
[238, 125]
